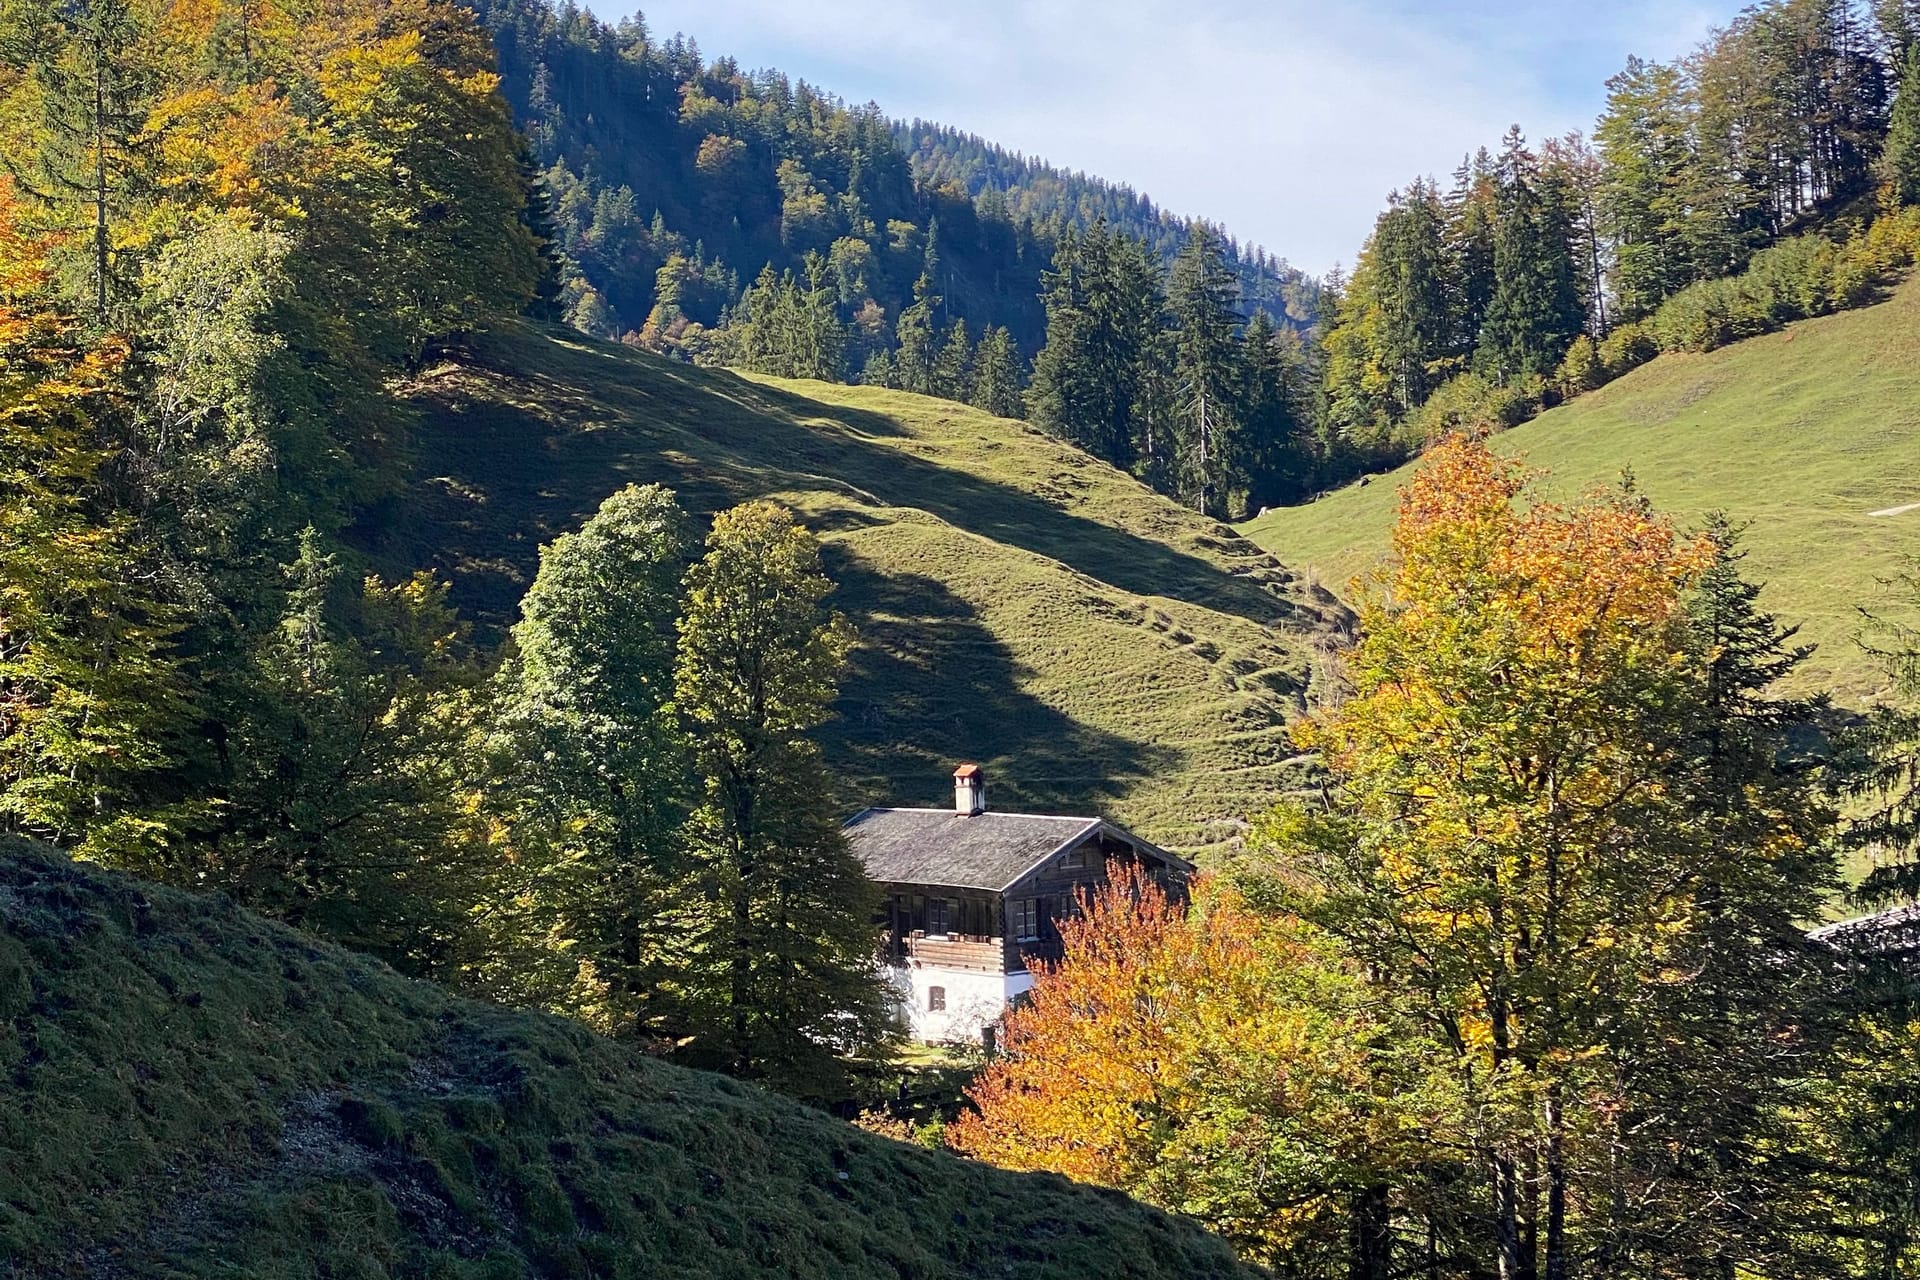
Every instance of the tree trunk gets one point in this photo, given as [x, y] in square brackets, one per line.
[1556, 1187]
[1370, 1235]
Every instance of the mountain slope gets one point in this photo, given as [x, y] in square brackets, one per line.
[1049, 195]
[187, 1090]
[1805, 433]
[1020, 604]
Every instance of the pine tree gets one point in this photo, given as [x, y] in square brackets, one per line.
[1202, 294]
[785, 982]
[997, 384]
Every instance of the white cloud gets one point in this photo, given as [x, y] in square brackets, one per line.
[1286, 121]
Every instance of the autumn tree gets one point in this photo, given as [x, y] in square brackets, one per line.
[1555, 806]
[91, 695]
[783, 984]
[1219, 1062]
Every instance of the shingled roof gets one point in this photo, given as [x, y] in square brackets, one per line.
[987, 851]
[1894, 932]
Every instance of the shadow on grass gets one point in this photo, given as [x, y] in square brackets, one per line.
[930, 686]
[563, 422]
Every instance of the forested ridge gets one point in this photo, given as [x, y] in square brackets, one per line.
[676, 180]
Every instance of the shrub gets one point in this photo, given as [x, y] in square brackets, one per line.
[1471, 402]
[1626, 349]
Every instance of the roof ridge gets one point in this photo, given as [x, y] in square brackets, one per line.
[984, 813]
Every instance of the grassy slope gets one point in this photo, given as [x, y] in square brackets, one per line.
[1803, 433]
[187, 1090]
[1020, 604]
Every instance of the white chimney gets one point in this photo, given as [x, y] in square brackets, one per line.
[969, 790]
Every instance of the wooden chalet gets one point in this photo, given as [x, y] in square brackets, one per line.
[974, 898]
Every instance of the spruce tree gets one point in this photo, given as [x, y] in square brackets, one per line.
[915, 333]
[1900, 161]
[1535, 309]
[953, 368]
[996, 375]
[88, 162]
[1102, 299]
[784, 982]
[1202, 293]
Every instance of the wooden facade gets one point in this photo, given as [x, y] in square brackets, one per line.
[1010, 931]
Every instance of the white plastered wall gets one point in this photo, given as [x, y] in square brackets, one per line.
[973, 1001]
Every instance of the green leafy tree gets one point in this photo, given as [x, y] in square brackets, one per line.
[784, 983]
[590, 770]
[345, 762]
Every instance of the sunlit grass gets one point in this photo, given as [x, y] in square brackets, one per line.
[1801, 434]
[1095, 646]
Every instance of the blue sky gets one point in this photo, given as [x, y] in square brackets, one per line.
[1288, 120]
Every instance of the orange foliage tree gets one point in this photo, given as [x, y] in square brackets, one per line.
[1217, 1061]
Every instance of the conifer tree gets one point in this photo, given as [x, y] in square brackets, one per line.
[823, 337]
[997, 381]
[1535, 310]
[914, 330]
[88, 164]
[784, 981]
[1900, 161]
[1202, 294]
[1103, 302]
[953, 368]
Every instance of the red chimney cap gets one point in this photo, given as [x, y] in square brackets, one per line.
[967, 771]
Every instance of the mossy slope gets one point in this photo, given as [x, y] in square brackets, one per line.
[1020, 604]
[1803, 433]
[187, 1090]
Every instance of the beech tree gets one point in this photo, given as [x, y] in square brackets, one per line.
[1220, 1062]
[783, 985]
[590, 771]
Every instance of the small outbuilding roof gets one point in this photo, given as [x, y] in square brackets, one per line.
[1895, 931]
[990, 851]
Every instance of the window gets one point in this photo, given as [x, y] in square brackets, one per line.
[937, 917]
[936, 999]
[1026, 919]
[1076, 859]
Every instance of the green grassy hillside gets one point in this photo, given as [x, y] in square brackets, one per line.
[187, 1090]
[1805, 433]
[1020, 604]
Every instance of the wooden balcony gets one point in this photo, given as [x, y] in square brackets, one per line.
[964, 952]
